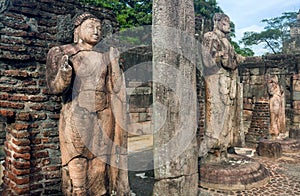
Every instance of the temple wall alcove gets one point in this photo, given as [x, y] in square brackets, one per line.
[256, 115]
[28, 114]
[137, 63]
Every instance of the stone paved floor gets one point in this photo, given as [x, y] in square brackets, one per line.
[284, 172]
[284, 178]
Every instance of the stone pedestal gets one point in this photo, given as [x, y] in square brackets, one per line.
[289, 145]
[269, 148]
[235, 173]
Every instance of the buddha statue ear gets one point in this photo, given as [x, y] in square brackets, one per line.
[76, 35]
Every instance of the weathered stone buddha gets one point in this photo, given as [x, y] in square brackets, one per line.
[277, 108]
[92, 122]
[221, 83]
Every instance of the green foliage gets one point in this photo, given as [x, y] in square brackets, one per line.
[206, 8]
[129, 13]
[134, 13]
[275, 32]
[282, 23]
[242, 51]
[270, 37]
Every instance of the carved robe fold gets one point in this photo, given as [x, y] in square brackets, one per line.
[221, 83]
[93, 117]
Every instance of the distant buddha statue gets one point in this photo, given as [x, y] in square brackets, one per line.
[277, 108]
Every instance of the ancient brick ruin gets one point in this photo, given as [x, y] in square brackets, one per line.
[256, 115]
[29, 147]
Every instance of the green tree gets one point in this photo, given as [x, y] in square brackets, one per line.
[134, 13]
[242, 51]
[276, 32]
[129, 13]
[206, 8]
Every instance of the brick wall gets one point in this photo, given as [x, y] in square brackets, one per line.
[200, 85]
[29, 115]
[28, 29]
[252, 73]
[2, 136]
[259, 124]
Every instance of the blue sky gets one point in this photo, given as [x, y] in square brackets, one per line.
[247, 14]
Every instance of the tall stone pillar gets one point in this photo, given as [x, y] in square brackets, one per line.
[174, 97]
[294, 131]
[293, 48]
[296, 101]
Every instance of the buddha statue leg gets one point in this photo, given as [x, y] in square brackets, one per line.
[78, 175]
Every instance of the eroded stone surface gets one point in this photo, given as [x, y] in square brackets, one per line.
[93, 141]
[235, 173]
[289, 145]
[284, 178]
[277, 107]
[174, 90]
[222, 89]
[269, 148]
[294, 133]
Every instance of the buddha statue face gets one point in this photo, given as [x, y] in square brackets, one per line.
[90, 31]
[224, 25]
[273, 86]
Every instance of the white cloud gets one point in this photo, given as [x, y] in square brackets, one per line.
[258, 49]
[250, 12]
[239, 33]
[247, 14]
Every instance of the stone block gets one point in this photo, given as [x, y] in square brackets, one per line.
[259, 90]
[134, 117]
[296, 85]
[248, 106]
[145, 90]
[182, 185]
[296, 119]
[289, 145]
[276, 70]
[294, 112]
[134, 84]
[256, 80]
[296, 105]
[143, 117]
[254, 71]
[294, 133]
[269, 148]
[296, 96]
